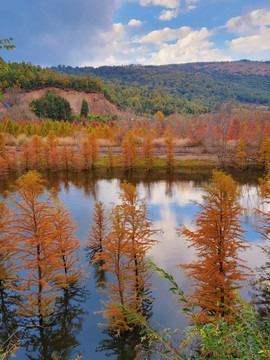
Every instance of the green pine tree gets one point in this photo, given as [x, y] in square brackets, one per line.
[84, 108]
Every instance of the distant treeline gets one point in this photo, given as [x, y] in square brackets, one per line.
[203, 89]
[30, 77]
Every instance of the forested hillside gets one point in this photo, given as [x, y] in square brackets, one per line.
[28, 77]
[203, 84]
[142, 99]
[188, 88]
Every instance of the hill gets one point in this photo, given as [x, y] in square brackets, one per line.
[203, 84]
[28, 77]
[97, 103]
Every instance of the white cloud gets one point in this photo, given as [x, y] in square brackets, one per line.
[192, 46]
[252, 44]
[114, 49]
[249, 23]
[117, 33]
[190, 4]
[134, 22]
[191, 7]
[166, 15]
[166, 34]
[169, 4]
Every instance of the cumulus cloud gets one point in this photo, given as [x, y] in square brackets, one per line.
[134, 22]
[192, 46]
[169, 4]
[252, 44]
[114, 50]
[55, 31]
[164, 35]
[166, 15]
[253, 30]
[249, 23]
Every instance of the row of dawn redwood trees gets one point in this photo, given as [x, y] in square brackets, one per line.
[38, 154]
[82, 151]
[38, 245]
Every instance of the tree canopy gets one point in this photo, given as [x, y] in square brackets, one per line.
[51, 106]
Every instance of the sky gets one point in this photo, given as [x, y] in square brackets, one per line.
[146, 32]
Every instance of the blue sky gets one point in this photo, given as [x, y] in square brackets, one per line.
[119, 32]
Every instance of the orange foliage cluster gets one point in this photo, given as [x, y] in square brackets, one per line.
[46, 154]
[39, 237]
[217, 241]
[217, 134]
[122, 252]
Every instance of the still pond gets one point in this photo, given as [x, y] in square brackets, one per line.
[172, 201]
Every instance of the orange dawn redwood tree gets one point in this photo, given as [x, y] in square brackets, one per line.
[43, 232]
[6, 262]
[138, 232]
[129, 150]
[51, 151]
[33, 234]
[169, 152]
[148, 151]
[66, 245]
[115, 260]
[123, 254]
[217, 241]
[97, 232]
[89, 150]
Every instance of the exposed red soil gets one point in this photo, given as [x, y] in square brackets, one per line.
[97, 102]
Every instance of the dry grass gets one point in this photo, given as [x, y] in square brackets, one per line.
[11, 140]
[106, 142]
[21, 138]
[68, 141]
[178, 142]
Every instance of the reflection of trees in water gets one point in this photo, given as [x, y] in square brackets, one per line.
[128, 346]
[9, 320]
[249, 200]
[261, 289]
[86, 180]
[260, 293]
[58, 336]
[99, 273]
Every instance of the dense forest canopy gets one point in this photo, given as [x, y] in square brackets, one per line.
[51, 106]
[31, 77]
[187, 89]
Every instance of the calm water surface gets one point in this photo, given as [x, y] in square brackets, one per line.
[171, 201]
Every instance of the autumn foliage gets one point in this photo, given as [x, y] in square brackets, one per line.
[66, 244]
[33, 235]
[43, 244]
[123, 254]
[97, 232]
[218, 271]
[129, 150]
[6, 263]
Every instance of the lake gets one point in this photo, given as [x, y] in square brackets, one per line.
[172, 201]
